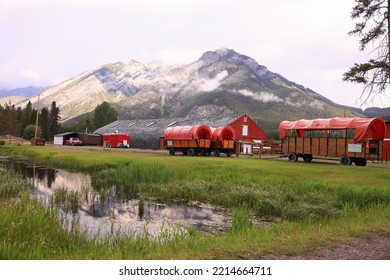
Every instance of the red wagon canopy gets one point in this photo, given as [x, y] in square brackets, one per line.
[373, 128]
[223, 133]
[188, 132]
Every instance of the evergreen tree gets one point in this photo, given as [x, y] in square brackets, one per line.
[54, 119]
[19, 117]
[44, 120]
[104, 114]
[28, 116]
[373, 28]
[9, 122]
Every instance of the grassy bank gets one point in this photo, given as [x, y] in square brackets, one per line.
[314, 204]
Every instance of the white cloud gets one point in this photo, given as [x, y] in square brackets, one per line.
[177, 56]
[270, 97]
[262, 96]
[211, 84]
[30, 74]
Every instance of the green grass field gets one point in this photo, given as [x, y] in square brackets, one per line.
[310, 205]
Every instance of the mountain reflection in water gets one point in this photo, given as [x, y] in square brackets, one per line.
[108, 214]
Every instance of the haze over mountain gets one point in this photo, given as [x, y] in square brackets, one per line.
[219, 82]
[19, 94]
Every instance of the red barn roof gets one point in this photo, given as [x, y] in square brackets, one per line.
[188, 132]
[373, 128]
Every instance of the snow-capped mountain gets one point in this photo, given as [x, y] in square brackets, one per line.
[219, 82]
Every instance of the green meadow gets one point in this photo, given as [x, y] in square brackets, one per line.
[308, 205]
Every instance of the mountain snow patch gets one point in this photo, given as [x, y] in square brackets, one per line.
[262, 96]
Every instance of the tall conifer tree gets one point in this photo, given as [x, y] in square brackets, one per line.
[372, 27]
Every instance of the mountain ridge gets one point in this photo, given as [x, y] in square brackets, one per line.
[219, 82]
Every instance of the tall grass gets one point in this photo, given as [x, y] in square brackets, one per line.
[11, 185]
[311, 204]
[30, 231]
[269, 188]
[66, 199]
[241, 219]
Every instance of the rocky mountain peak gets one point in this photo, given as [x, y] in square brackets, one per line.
[219, 82]
[235, 58]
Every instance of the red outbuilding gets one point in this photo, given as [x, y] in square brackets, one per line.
[116, 140]
[247, 130]
[386, 143]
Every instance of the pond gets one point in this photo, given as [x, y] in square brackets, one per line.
[102, 214]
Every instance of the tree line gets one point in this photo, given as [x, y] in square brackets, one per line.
[102, 115]
[22, 122]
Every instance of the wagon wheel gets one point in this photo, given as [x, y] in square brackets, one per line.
[344, 160]
[292, 157]
[216, 153]
[172, 152]
[191, 152]
[360, 161]
[307, 157]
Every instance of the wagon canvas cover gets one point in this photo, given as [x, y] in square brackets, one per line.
[223, 133]
[188, 132]
[373, 128]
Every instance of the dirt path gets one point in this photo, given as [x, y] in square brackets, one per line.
[373, 247]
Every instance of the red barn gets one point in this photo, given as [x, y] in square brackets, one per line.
[247, 130]
[386, 143]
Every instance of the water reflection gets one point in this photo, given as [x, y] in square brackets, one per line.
[103, 213]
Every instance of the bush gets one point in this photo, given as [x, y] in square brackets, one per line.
[29, 131]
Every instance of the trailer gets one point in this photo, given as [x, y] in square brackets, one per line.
[223, 140]
[351, 140]
[189, 140]
[116, 140]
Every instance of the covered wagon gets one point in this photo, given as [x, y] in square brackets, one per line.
[190, 140]
[349, 139]
[223, 140]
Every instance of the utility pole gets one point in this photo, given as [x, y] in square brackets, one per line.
[36, 120]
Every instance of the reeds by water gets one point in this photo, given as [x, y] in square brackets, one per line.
[313, 205]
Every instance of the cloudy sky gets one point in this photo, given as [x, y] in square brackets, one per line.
[44, 42]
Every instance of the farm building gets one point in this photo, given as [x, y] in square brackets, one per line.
[86, 138]
[60, 139]
[247, 130]
[386, 143]
[147, 133]
[91, 139]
